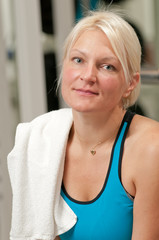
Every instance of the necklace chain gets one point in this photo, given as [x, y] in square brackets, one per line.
[93, 151]
[93, 148]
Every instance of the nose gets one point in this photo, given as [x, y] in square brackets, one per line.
[89, 74]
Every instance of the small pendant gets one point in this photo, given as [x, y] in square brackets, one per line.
[93, 152]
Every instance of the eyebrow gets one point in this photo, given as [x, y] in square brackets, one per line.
[109, 58]
[103, 59]
[77, 50]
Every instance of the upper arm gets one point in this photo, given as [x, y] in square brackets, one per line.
[146, 202]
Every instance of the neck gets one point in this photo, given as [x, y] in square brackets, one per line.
[89, 129]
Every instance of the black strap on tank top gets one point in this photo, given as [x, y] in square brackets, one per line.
[127, 118]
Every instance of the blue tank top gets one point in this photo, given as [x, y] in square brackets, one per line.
[110, 215]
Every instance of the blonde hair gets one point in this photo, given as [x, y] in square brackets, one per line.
[123, 39]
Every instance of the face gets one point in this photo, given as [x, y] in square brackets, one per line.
[93, 79]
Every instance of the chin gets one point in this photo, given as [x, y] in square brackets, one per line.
[85, 109]
[80, 108]
[77, 105]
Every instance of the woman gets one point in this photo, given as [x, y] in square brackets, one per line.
[91, 171]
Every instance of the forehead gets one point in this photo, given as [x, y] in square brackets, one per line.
[93, 40]
[94, 34]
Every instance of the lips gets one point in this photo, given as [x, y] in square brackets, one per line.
[86, 92]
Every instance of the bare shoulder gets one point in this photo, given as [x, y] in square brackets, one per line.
[144, 135]
[145, 122]
[143, 149]
[145, 131]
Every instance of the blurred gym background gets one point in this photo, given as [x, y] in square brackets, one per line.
[31, 40]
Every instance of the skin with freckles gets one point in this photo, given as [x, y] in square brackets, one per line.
[93, 79]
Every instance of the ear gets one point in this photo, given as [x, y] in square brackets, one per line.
[132, 84]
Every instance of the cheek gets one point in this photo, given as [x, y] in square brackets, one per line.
[109, 84]
[69, 74]
[113, 87]
[116, 82]
[68, 78]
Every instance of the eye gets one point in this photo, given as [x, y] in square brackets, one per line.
[77, 60]
[109, 67]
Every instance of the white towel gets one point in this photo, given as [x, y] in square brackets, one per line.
[36, 166]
